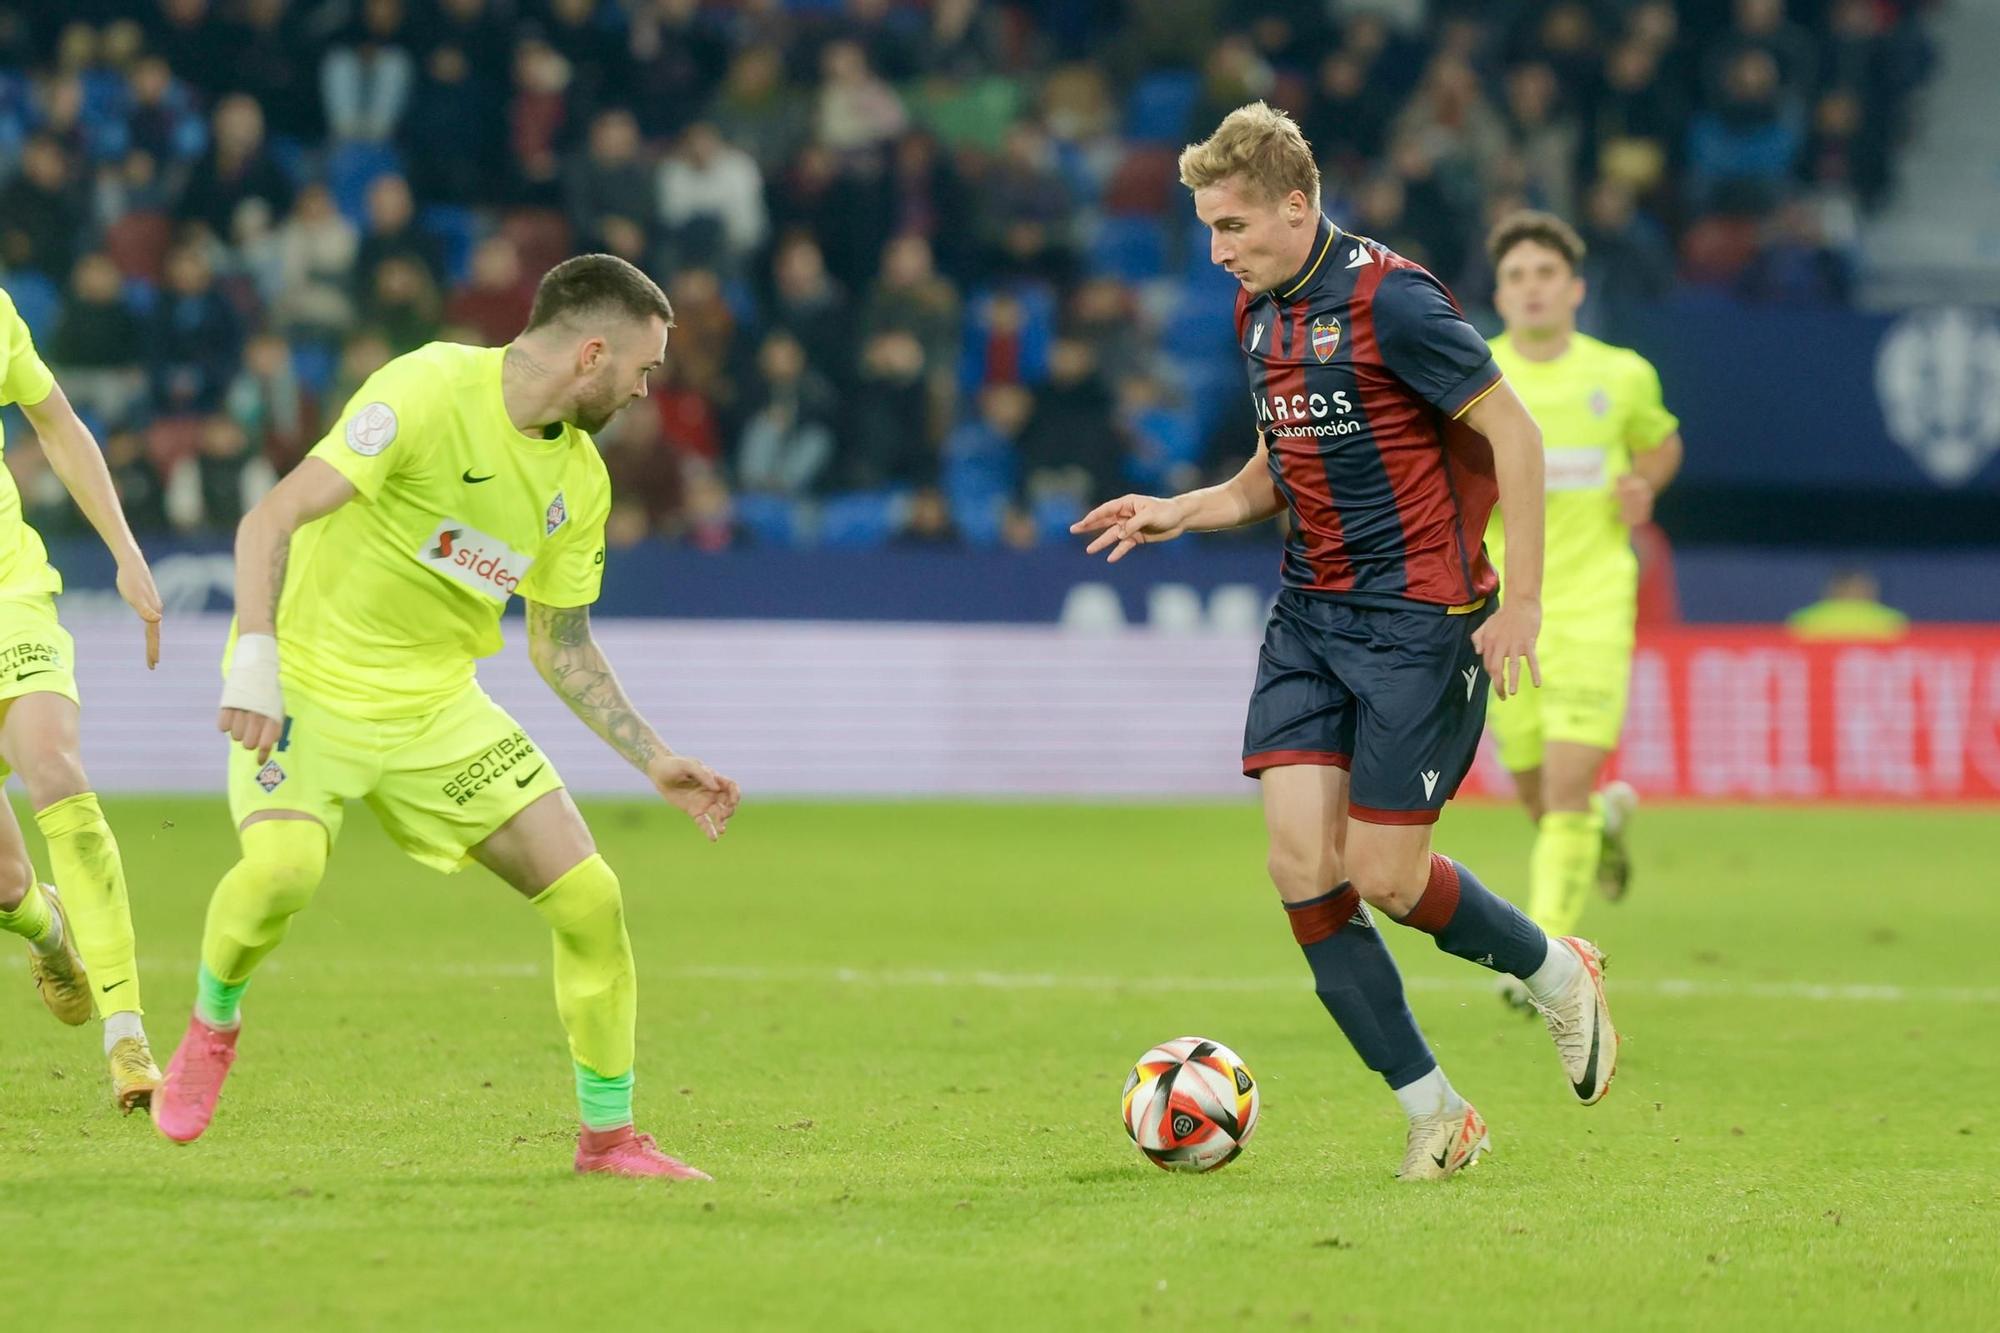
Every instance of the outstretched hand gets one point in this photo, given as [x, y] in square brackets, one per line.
[1129, 521]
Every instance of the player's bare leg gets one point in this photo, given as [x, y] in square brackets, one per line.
[547, 855]
[39, 740]
[1394, 868]
[1305, 818]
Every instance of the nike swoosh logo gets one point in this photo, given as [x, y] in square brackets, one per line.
[1439, 1159]
[1588, 1083]
[113, 986]
[466, 476]
[522, 782]
[40, 672]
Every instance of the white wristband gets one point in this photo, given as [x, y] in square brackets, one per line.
[252, 683]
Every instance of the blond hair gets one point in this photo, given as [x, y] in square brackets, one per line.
[1261, 146]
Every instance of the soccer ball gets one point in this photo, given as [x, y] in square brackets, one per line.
[1190, 1105]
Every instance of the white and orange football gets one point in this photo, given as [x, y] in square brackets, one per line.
[1190, 1104]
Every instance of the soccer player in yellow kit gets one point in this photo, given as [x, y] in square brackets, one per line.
[367, 584]
[1610, 446]
[80, 952]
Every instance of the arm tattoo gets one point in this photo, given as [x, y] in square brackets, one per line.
[570, 661]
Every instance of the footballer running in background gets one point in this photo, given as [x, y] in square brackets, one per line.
[1610, 447]
[80, 946]
[1387, 432]
[368, 583]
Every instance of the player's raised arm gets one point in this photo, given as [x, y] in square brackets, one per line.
[1508, 637]
[76, 460]
[567, 655]
[253, 706]
[1139, 520]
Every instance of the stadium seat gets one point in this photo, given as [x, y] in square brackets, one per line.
[1054, 513]
[542, 235]
[1160, 106]
[315, 364]
[351, 169]
[861, 520]
[138, 243]
[1131, 248]
[37, 299]
[1144, 183]
[457, 230]
[772, 520]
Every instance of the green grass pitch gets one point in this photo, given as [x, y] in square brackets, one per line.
[896, 1034]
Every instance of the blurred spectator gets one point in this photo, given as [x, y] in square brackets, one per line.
[688, 423]
[496, 302]
[45, 502]
[1545, 136]
[1851, 609]
[926, 521]
[536, 115]
[162, 121]
[403, 303]
[1740, 153]
[141, 492]
[608, 188]
[366, 79]
[857, 110]
[195, 336]
[708, 517]
[593, 43]
[788, 442]
[316, 248]
[705, 347]
[1845, 153]
[266, 401]
[1627, 262]
[41, 212]
[455, 132]
[1025, 209]
[887, 445]
[807, 301]
[237, 166]
[214, 489]
[1103, 313]
[1795, 265]
[759, 113]
[275, 59]
[711, 202]
[1346, 120]
[1449, 123]
[1760, 26]
[676, 54]
[1072, 447]
[365, 352]
[393, 232]
[912, 298]
[97, 330]
[1640, 116]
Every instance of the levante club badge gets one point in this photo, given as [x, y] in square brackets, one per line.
[1325, 337]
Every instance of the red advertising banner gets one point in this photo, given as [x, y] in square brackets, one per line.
[1723, 713]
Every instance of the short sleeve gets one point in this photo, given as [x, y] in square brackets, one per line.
[380, 431]
[1649, 423]
[26, 379]
[1426, 343]
[569, 569]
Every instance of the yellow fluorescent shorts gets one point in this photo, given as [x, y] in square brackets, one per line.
[1581, 700]
[440, 784]
[36, 653]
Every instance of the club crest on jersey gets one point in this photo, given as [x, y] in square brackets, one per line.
[1600, 402]
[557, 516]
[270, 777]
[1325, 337]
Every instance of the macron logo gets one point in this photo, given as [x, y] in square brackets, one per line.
[1430, 782]
[468, 556]
[1359, 258]
[1256, 337]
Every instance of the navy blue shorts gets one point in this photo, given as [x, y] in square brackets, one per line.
[1396, 697]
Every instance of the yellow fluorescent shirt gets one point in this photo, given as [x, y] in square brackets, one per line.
[1596, 404]
[390, 599]
[24, 561]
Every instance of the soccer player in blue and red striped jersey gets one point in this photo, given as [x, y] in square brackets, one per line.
[1386, 434]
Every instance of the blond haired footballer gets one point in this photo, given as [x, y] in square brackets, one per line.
[1611, 447]
[80, 949]
[456, 478]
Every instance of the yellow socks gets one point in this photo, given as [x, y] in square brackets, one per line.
[597, 991]
[1563, 868]
[84, 860]
[253, 906]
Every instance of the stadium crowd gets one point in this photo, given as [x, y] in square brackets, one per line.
[935, 279]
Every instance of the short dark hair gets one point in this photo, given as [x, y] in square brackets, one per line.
[597, 285]
[1529, 224]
